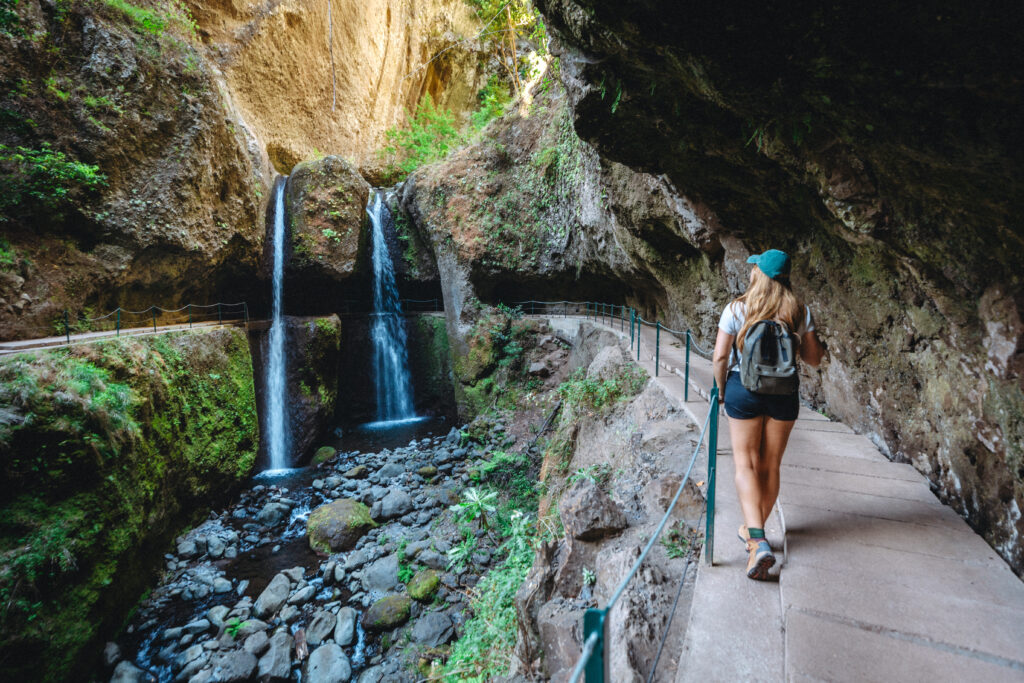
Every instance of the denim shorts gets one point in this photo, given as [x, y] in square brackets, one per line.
[741, 404]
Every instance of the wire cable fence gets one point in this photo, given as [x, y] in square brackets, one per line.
[125, 321]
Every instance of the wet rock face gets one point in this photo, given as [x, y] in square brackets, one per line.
[178, 217]
[312, 370]
[326, 204]
[894, 184]
[588, 513]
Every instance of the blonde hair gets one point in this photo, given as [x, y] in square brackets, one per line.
[768, 299]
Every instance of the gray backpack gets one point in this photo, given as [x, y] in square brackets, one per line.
[768, 360]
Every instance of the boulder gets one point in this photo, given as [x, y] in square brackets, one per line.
[433, 629]
[395, 504]
[423, 586]
[357, 472]
[390, 471]
[276, 664]
[126, 672]
[273, 513]
[588, 513]
[338, 525]
[321, 627]
[257, 643]
[327, 664]
[111, 654]
[382, 575]
[387, 613]
[323, 454]
[272, 597]
[234, 667]
[345, 630]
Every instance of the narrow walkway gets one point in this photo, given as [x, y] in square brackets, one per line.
[24, 345]
[879, 581]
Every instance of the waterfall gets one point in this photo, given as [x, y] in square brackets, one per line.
[276, 388]
[390, 355]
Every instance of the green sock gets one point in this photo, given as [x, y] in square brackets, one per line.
[756, 533]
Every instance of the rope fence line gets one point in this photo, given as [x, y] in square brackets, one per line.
[128, 321]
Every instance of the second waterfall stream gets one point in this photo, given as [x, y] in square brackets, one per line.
[390, 353]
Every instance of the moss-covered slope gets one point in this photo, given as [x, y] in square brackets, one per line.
[107, 450]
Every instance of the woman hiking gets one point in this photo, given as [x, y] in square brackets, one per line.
[760, 423]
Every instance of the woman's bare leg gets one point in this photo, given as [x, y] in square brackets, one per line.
[746, 449]
[775, 436]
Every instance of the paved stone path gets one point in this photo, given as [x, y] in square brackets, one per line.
[878, 580]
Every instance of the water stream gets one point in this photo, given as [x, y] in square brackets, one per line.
[276, 391]
[390, 353]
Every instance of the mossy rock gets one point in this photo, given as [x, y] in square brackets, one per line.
[427, 471]
[323, 454]
[357, 472]
[387, 613]
[424, 585]
[338, 525]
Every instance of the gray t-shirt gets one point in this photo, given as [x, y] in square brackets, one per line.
[732, 321]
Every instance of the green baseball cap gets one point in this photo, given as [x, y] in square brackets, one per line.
[773, 263]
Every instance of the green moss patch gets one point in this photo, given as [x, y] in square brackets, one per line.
[423, 586]
[108, 449]
[387, 613]
[338, 525]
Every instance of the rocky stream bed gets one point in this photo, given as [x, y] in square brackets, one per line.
[245, 597]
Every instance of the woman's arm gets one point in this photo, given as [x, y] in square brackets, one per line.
[811, 350]
[720, 362]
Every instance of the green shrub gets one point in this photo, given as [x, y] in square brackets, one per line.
[43, 176]
[430, 135]
[581, 390]
[493, 97]
[10, 23]
[485, 649]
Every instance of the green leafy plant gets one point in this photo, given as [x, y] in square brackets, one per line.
[600, 474]
[589, 577]
[485, 649]
[460, 555]
[234, 625]
[675, 542]
[597, 393]
[430, 134]
[494, 98]
[43, 176]
[10, 23]
[8, 256]
[405, 570]
[475, 505]
[332, 235]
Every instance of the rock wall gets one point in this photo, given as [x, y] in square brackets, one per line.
[277, 59]
[609, 471]
[877, 145]
[532, 212]
[329, 239]
[109, 449]
[175, 215]
[312, 361]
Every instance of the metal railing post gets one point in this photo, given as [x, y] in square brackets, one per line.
[153, 308]
[67, 329]
[220, 315]
[190, 316]
[657, 346]
[593, 622]
[639, 329]
[245, 311]
[686, 378]
[632, 316]
[118, 321]
[709, 530]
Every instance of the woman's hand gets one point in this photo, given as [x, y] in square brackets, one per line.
[811, 349]
[720, 360]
